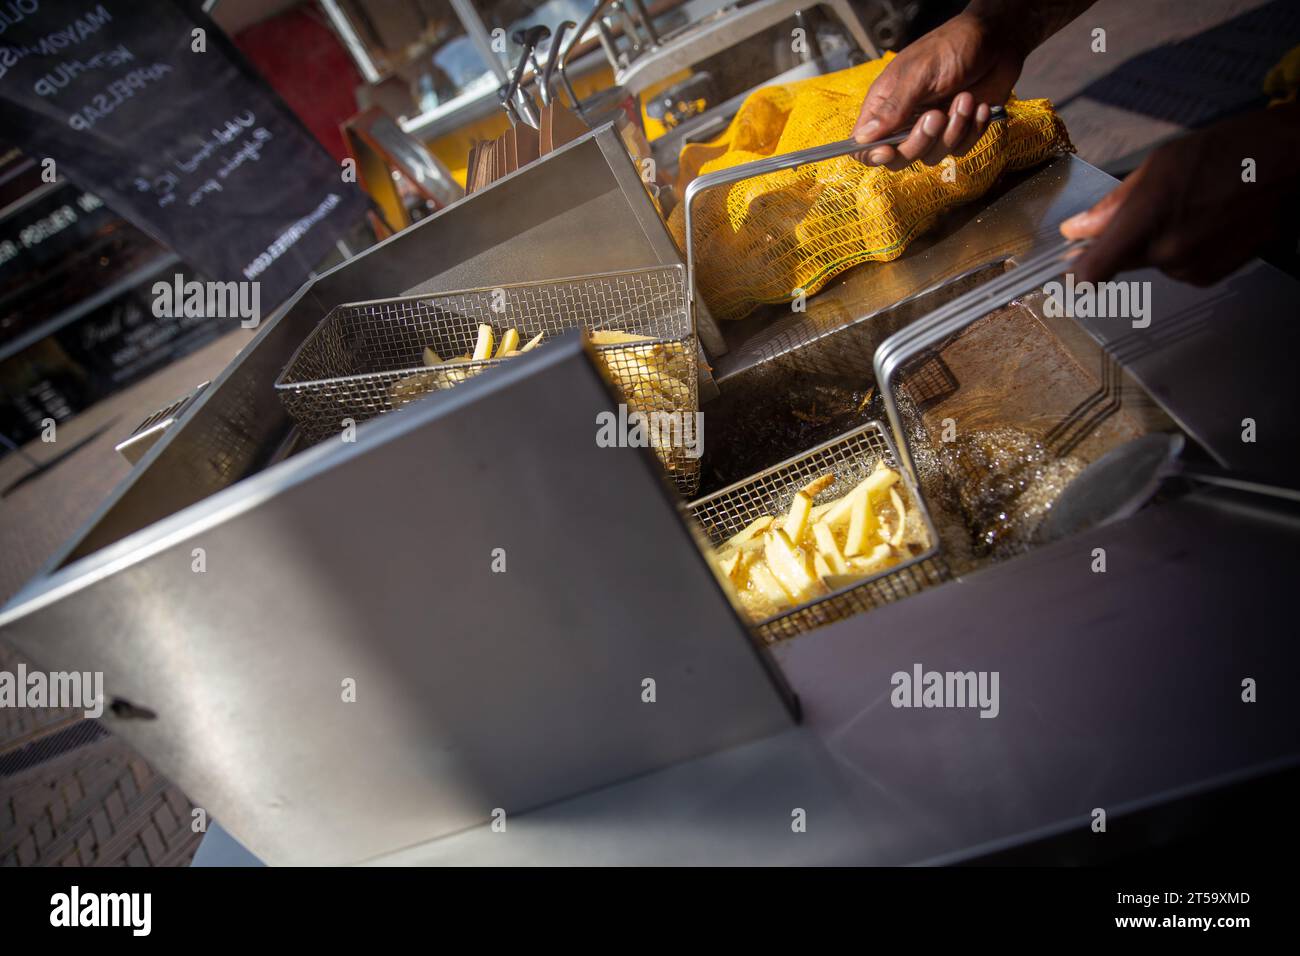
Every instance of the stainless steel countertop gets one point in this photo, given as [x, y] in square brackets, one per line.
[1118, 691]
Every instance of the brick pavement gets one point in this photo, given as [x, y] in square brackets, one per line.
[100, 804]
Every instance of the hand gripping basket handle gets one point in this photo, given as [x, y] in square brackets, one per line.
[775, 164]
[911, 341]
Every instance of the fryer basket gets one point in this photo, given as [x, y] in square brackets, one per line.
[850, 457]
[366, 358]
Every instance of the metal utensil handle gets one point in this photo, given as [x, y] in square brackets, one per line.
[553, 55]
[775, 164]
[642, 16]
[503, 98]
[912, 341]
[543, 93]
[1239, 484]
[596, 11]
[527, 39]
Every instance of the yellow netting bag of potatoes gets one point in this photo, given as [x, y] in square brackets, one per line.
[763, 240]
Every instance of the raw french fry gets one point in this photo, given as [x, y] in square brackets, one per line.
[896, 539]
[755, 527]
[535, 341]
[829, 549]
[640, 382]
[673, 358]
[797, 520]
[483, 348]
[818, 485]
[787, 565]
[509, 342]
[609, 337]
[431, 357]
[512, 352]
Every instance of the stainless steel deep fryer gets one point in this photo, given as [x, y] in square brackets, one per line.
[366, 358]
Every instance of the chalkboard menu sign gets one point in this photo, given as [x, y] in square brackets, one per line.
[148, 105]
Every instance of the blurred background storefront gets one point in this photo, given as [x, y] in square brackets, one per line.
[418, 79]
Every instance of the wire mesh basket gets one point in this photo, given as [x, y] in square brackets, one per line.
[850, 458]
[367, 358]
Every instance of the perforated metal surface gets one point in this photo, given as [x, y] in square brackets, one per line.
[851, 458]
[366, 358]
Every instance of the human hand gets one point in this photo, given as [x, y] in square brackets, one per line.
[964, 66]
[1187, 209]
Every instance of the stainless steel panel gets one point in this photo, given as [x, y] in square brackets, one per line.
[1117, 690]
[372, 561]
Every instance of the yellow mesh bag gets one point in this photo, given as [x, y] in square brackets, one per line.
[760, 240]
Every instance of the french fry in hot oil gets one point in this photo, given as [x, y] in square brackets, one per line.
[814, 549]
[861, 522]
[750, 530]
[788, 565]
[818, 485]
[829, 549]
[797, 520]
[821, 567]
[483, 348]
[896, 539]
[767, 585]
[509, 342]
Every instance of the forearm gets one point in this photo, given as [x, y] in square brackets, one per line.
[1026, 23]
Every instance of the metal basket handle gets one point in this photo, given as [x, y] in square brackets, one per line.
[909, 342]
[775, 164]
